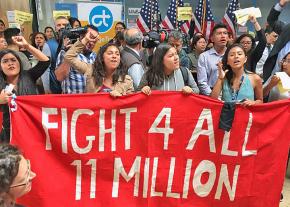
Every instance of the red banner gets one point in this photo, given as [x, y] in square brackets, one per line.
[160, 150]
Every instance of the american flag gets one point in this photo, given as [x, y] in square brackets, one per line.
[149, 12]
[204, 21]
[229, 18]
[169, 22]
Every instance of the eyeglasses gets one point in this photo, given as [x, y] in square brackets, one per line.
[27, 176]
[285, 61]
[246, 43]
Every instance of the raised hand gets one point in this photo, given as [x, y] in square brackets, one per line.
[20, 41]
[221, 71]
[252, 18]
[91, 36]
[283, 2]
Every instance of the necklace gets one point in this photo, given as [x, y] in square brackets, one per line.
[235, 92]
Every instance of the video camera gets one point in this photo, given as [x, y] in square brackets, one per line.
[72, 33]
[154, 38]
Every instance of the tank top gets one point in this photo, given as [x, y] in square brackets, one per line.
[245, 91]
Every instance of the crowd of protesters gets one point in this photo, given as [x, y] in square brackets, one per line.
[232, 69]
[240, 70]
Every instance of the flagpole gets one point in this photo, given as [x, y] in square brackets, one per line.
[176, 23]
[151, 15]
[203, 15]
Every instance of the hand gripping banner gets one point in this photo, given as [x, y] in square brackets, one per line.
[162, 150]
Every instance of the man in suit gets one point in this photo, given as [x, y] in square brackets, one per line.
[282, 45]
[131, 55]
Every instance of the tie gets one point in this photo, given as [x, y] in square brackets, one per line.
[269, 47]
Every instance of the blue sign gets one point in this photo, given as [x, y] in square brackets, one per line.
[102, 18]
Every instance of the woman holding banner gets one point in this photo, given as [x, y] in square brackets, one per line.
[107, 74]
[15, 175]
[13, 79]
[166, 75]
[234, 81]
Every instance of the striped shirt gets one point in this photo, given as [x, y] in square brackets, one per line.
[75, 82]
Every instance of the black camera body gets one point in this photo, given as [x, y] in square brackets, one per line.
[72, 33]
[154, 38]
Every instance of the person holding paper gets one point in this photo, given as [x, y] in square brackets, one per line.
[272, 88]
[253, 52]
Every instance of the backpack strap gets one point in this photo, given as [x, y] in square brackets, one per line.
[184, 75]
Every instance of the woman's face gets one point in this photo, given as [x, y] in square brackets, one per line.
[246, 42]
[200, 45]
[76, 24]
[111, 58]
[39, 40]
[2, 27]
[49, 33]
[286, 65]
[22, 182]
[236, 58]
[3, 43]
[10, 65]
[171, 60]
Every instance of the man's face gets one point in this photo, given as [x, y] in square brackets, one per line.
[220, 37]
[272, 37]
[60, 23]
[119, 28]
[175, 43]
[90, 45]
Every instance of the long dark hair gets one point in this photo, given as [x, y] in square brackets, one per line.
[99, 71]
[229, 74]
[25, 85]
[155, 74]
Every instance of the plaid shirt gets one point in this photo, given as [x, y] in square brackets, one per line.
[75, 82]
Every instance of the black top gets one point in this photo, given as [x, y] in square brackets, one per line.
[256, 54]
[279, 44]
